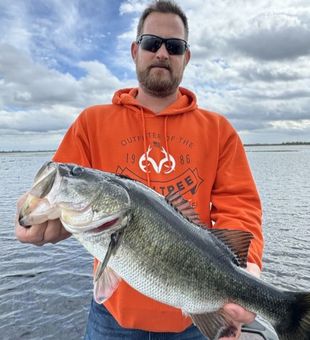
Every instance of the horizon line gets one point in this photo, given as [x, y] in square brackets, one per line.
[245, 144]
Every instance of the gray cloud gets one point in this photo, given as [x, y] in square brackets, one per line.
[34, 98]
[272, 73]
[275, 37]
[283, 95]
[249, 62]
[268, 111]
[26, 82]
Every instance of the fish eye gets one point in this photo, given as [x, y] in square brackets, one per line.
[76, 171]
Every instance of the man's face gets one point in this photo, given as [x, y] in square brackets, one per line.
[160, 73]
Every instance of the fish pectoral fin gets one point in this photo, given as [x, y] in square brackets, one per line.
[238, 241]
[105, 279]
[214, 325]
[106, 285]
[113, 245]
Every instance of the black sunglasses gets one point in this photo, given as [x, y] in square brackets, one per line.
[152, 43]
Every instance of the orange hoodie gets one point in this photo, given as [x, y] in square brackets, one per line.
[182, 148]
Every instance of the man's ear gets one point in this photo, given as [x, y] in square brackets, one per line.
[134, 50]
[187, 56]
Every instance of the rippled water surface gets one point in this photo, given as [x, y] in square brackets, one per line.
[45, 291]
[282, 177]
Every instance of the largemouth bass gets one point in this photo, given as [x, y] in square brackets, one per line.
[156, 245]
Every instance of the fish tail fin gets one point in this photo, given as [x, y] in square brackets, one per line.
[297, 325]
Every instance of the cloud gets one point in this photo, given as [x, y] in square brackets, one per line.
[275, 36]
[250, 62]
[54, 118]
[262, 29]
[274, 72]
[132, 6]
[44, 81]
[27, 84]
[13, 24]
[35, 98]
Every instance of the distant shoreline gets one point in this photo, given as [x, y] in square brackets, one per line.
[254, 144]
[278, 144]
[27, 151]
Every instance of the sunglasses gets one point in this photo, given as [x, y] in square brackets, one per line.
[152, 43]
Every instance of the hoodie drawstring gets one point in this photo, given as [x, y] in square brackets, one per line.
[145, 150]
[166, 139]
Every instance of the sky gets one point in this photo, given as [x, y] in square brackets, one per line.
[250, 62]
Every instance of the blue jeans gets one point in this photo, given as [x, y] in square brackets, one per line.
[102, 326]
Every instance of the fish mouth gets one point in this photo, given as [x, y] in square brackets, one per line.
[36, 210]
[105, 226]
[44, 180]
[113, 221]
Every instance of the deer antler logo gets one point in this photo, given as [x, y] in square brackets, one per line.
[168, 162]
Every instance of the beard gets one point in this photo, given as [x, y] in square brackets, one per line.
[156, 84]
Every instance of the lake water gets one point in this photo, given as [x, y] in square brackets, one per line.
[45, 291]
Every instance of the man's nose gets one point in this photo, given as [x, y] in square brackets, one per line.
[162, 52]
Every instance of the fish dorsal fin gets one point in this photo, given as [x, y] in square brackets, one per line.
[123, 176]
[105, 285]
[179, 203]
[214, 325]
[238, 241]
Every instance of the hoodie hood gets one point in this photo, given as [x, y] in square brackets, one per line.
[185, 102]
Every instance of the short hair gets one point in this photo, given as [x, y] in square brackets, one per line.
[163, 6]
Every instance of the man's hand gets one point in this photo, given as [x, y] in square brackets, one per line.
[51, 231]
[238, 314]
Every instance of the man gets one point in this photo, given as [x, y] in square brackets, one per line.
[156, 134]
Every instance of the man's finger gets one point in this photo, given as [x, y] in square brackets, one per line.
[55, 232]
[238, 313]
[237, 335]
[33, 234]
